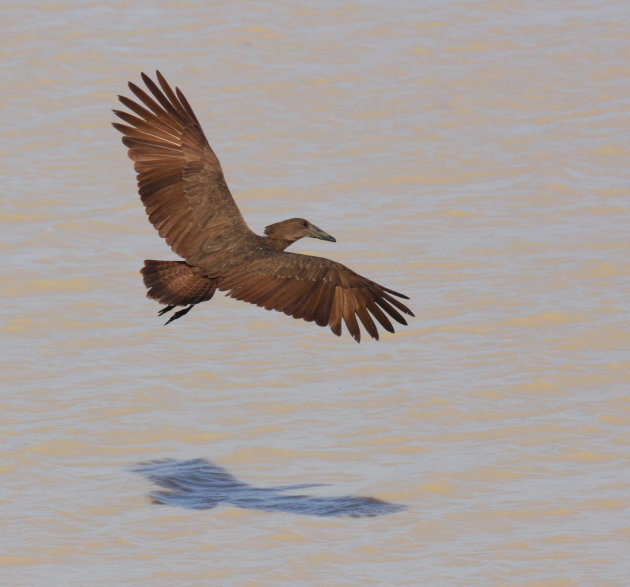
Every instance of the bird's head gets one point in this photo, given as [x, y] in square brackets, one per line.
[295, 228]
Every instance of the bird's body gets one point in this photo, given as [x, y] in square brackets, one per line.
[186, 197]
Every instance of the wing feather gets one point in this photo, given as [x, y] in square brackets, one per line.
[324, 303]
[180, 179]
[394, 301]
[385, 305]
[349, 318]
[337, 311]
[380, 316]
[316, 290]
[361, 305]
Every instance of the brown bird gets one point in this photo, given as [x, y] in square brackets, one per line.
[185, 195]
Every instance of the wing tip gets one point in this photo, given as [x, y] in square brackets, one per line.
[396, 293]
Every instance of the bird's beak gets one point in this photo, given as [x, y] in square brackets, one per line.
[316, 232]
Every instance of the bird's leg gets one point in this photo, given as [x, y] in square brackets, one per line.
[179, 314]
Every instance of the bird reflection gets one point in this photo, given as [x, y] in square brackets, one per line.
[200, 484]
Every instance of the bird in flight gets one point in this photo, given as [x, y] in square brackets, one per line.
[187, 200]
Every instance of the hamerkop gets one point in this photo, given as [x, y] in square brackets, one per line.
[183, 189]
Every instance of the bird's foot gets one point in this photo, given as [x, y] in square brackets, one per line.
[177, 314]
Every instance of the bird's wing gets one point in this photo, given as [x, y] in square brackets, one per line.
[315, 289]
[180, 180]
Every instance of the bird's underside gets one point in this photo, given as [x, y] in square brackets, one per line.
[186, 198]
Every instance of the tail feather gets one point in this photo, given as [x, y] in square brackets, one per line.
[175, 283]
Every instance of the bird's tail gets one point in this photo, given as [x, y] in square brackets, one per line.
[176, 283]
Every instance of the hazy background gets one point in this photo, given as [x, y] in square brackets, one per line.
[473, 155]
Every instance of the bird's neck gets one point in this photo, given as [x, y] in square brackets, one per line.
[278, 244]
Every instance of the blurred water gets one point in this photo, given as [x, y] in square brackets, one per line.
[469, 154]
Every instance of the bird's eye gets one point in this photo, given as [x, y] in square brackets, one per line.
[305, 223]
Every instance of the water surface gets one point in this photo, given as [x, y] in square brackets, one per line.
[469, 154]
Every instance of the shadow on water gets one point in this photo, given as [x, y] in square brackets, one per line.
[200, 484]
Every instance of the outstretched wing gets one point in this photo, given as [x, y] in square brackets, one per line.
[316, 289]
[180, 180]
